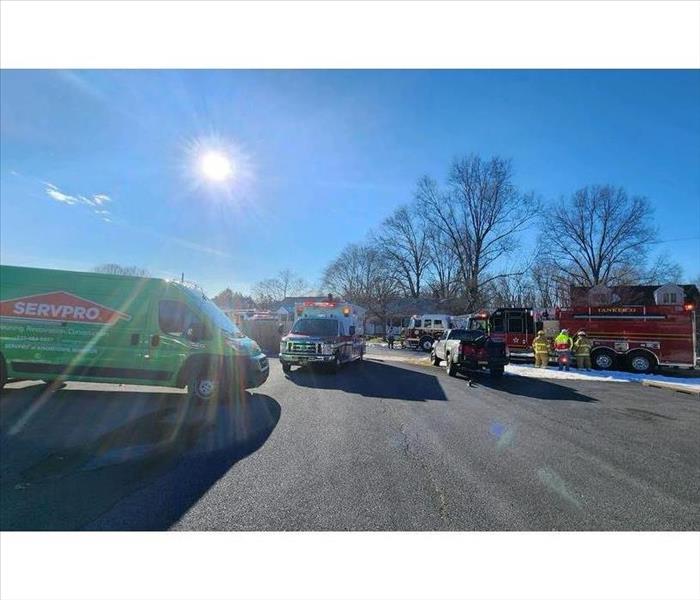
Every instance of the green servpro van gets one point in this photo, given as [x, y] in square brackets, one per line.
[66, 325]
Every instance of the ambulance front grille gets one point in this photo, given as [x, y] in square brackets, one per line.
[304, 347]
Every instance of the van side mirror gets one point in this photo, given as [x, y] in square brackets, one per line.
[195, 332]
[351, 330]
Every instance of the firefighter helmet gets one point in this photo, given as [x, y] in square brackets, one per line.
[540, 332]
[582, 332]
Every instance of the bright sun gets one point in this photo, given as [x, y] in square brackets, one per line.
[215, 166]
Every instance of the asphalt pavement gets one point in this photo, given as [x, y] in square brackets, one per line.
[381, 445]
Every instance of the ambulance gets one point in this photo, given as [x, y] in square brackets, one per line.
[327, 333]
[66, 325]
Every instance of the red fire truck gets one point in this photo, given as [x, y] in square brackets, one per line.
[634, 337]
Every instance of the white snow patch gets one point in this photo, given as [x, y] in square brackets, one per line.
[691, 383]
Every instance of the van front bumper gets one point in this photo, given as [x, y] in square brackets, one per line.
[252, 370]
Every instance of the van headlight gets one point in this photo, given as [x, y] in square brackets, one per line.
[327, 349]
[243, 346]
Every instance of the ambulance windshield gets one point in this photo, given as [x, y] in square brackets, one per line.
[319, 327]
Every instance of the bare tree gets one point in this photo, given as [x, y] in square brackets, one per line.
[115, 269]
[481, 214]
[229, 299]
[443, 265]
[361, 274]
[601, 235]
[550, 288]
[516, 291]
[403, 240]
[287, 283]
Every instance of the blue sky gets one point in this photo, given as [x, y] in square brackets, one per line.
[100, 166]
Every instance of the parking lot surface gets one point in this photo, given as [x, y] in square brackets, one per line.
[382, 445]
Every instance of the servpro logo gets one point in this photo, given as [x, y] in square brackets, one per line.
[60, 306]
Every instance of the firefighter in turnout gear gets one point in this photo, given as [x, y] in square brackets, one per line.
[540, 346]
[582, 350]
[562, 346]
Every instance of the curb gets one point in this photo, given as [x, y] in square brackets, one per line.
[675, 387]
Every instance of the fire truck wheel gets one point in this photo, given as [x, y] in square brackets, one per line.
[426, 344]
[450, 367]
[603, 360]
[641, 362]
[435, 359]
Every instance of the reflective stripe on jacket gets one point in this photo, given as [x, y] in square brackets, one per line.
[582, 347]
[562, 342]
[540, 345]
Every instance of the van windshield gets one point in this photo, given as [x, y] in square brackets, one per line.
[216, 316]
[320, 327]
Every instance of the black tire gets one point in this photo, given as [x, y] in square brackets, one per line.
[497, 372]
[286, 367]
[435, 359]
[450, 367]
[641, 362]
[206, 385]
[426, 344]
[3, 372]
[334, 367]
[603, 360]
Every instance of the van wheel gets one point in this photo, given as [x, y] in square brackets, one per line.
[496, 372]
[435, 359]
[286, 367]
[205, 385]
[641, 362]
[603, 360]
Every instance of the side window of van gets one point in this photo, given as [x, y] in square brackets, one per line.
[437, 323]
[175, 317]
[427, 323]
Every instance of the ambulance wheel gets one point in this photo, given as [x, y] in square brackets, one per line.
[426, 344]
[286, 367]
[450, 367]
[3, 372]
[603, 360]
[641, 362]
[435, 359]
[335, 365]
[205, 385]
